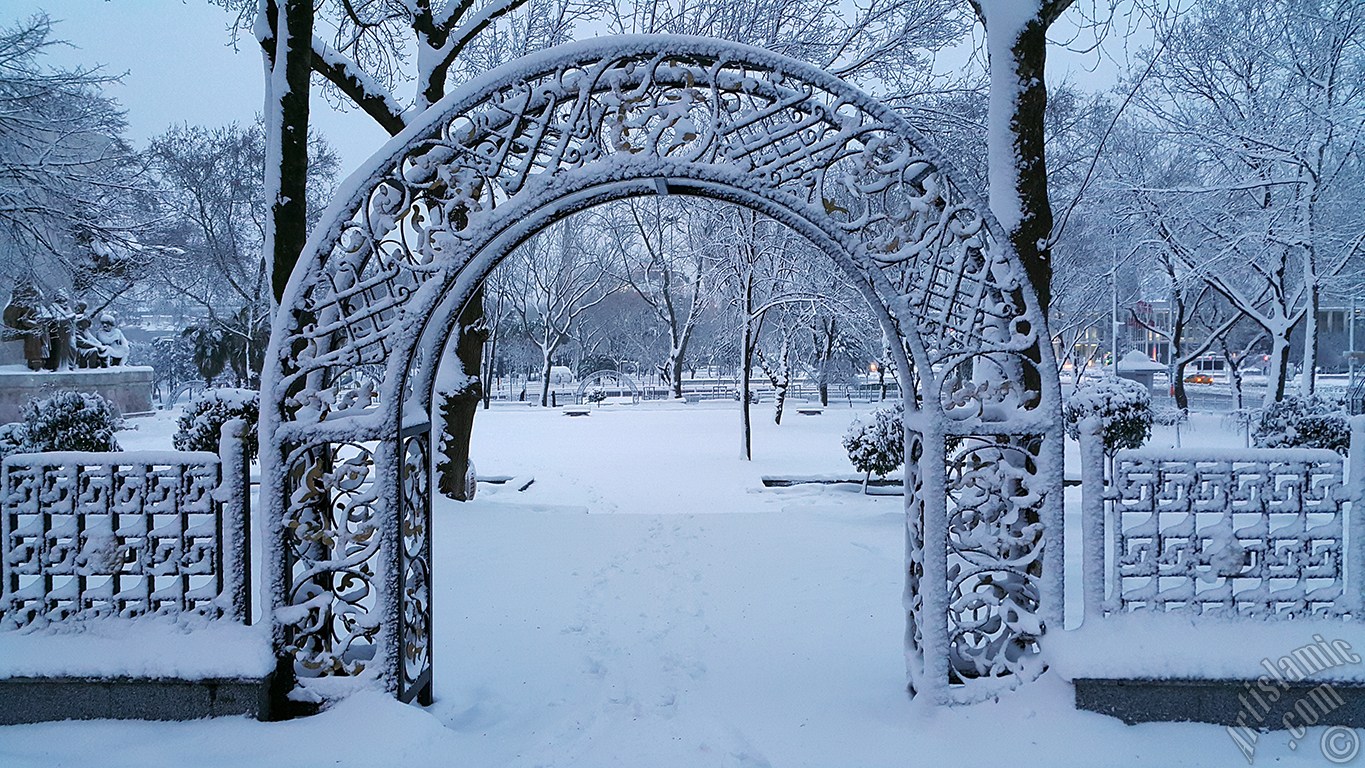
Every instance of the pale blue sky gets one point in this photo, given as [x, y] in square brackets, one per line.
[180, 66]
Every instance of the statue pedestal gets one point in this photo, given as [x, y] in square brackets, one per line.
[128, 387]
[12, 353]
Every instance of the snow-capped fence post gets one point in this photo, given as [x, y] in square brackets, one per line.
[1092, 516]
[234, 498]
[1355, 501]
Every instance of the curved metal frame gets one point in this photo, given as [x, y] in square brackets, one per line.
[356, 343]
[603, 375]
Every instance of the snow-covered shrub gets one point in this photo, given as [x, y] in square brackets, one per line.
[878, 444]
[1304, 422]
[1170, 416]
[201, 424]
[13, 439]
[1123, 406]
[70, 421]
[596, 395]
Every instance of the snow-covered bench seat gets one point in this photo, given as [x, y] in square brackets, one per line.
[1241, 673]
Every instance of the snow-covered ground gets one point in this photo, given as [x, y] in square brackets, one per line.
[647, 603]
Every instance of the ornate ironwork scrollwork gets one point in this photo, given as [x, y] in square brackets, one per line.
[996, 545]
[332, 536]
[414, 566]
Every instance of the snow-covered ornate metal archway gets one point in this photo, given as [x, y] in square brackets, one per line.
[616, 380]
[346, 486]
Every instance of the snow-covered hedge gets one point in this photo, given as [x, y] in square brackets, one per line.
[1304, 422]
[13, 437]
[68, 421]
[1123, 406]
[201, 424]
[878, 444]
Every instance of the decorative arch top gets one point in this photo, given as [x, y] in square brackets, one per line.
[675, 110]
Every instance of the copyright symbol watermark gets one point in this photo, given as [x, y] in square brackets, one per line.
[1340, 744]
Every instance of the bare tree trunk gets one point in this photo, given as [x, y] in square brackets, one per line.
[290, 62]
[545, 381]
[1279, 368]
[780, 388]
[489, 366]
[458, 408]
[677, 363]
[1182, 397]
[1018, 174]
[1018, 177]
[745, 363]
[1308, 376]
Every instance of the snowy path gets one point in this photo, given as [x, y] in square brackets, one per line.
[646, 636]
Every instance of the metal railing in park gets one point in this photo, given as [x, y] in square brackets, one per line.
[125, 534]
[1241, 532]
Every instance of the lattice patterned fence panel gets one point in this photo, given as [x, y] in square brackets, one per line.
[122, 534]
[1255, 532]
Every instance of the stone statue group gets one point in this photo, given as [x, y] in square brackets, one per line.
[59, 335]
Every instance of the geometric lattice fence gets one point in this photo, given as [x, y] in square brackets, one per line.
[123, 534]
[1248, 532]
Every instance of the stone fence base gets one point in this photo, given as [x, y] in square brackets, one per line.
[129, 388]
[37, 700]
[1233, 703]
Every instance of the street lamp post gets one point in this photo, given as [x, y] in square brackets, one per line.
[1114, 308]
[1351, 345]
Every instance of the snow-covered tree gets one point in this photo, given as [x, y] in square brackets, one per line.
[558, 278]
[1016, 47]
[72, 199]
[654, 254]
[755, 263]
[886, 46]
[366, 50]
[1266, 125]
[211, 226]
[876, 444]
[1123, 407]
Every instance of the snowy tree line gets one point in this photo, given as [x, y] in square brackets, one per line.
[1221, 174]
[1228, 187]
[169, 234]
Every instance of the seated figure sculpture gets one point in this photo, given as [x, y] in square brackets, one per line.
[61, 332]
[89, 350]
[58, 336]
[114, 343]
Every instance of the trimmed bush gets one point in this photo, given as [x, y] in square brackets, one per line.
[70, 421]
[877, 445]
[201, 423]
[1124, 407]
[1304, 422]
[13, 439]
